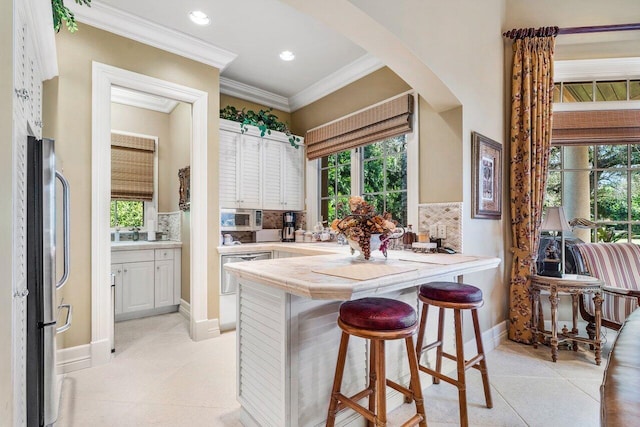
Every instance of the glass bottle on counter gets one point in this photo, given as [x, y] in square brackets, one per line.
[409, 237]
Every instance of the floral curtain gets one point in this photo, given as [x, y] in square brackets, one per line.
[531, 98]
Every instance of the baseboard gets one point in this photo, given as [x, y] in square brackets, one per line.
[100, 352]
[185, 309]
[205, 329]
[73, 358]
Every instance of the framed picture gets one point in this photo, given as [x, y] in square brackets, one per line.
[184, 202]
[486, 172]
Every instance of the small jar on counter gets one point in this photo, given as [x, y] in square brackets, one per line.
[299, 235]
[308, 237]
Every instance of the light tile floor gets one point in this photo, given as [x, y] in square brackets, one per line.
[159, 377]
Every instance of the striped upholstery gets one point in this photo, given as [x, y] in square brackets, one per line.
[618, 265]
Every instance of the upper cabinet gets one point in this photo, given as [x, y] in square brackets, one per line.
[259, 172]
[34, 61]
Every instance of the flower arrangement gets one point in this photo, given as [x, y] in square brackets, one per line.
[364, 229]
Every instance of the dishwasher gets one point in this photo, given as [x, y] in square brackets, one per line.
[229, 286]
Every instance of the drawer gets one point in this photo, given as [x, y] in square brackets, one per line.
[164, 254]
[118, 257]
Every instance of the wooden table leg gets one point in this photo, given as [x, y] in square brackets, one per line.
[597, 300]
[574, 330]
[553, 299]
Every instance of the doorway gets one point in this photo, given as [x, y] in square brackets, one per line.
[104, 77]
[144, 201]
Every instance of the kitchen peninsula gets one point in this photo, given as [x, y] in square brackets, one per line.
[287, 336]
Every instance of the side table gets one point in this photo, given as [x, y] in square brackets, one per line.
[569, 284]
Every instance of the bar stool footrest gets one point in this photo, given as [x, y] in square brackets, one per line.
[402, 389]
[350, 402]
[413, 421]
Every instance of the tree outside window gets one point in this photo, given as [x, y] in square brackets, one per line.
[382, 181]
[601, 182]
[127, 213]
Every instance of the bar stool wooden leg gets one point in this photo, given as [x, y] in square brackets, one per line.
[415, 382]
[421, 331]
[439, 349]
[337, 381]
[461, 383]
[483, 362]
[372, 380]
[381, 385]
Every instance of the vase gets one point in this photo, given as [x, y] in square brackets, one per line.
[376, 242]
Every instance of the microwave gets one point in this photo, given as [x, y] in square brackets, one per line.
[240, 219]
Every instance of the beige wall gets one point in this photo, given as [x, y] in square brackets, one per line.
[180, 156]
[6, 211]
[375, 87]
[70, 96]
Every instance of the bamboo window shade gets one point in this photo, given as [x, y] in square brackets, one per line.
[131, 167]
[596, 127]
[382, 121]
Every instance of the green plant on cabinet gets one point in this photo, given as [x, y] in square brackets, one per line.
[264, 120]
[62, 13]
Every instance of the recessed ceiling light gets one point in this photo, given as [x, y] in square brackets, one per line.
[199, 17]
[287, 55]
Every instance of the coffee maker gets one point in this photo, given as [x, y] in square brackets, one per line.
[288, 226]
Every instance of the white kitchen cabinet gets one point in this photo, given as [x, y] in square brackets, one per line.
[164, 283]
[259, 172]
[27, 79]
[137, 286]
[283, 176]
[240, 170]
[148, 281]
[228, 168]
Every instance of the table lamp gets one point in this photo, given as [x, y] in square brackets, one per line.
[554, 220]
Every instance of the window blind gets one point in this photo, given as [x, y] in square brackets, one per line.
[385, 120]
[131, 167]
[596, 127]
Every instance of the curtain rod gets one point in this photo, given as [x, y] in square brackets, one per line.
[551, 31]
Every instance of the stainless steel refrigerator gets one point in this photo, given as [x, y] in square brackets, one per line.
[43, 311]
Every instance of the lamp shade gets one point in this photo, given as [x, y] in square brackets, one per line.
[555, 220]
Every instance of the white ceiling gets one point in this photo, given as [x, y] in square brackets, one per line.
[254, 30]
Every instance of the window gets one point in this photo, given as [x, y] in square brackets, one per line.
[597, 91]
[127, 213]
[600, 182]
[380, 171]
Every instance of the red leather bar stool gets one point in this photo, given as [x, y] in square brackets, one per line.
[377, 320]
[458, 297]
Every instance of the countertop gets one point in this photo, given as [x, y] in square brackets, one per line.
[130, 245]
[298, 275]
[318, 248]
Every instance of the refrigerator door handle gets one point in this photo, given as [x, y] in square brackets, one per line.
[66, 226]
[67, 323]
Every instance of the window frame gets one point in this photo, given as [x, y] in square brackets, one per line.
[150, 208]
[313, 183]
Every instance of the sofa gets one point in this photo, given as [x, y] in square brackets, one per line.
[618, 266]
[620, 389]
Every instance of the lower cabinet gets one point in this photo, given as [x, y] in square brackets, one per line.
[147, 282]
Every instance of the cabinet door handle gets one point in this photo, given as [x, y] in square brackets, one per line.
[158, 268]
[125, 270]
[119, 271]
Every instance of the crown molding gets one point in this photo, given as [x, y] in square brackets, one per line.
[254, 94]
[596, 69]
[357, 69]
[142, 100]
[124, 24]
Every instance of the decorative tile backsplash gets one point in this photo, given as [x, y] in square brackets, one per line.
[170, 224]
[447, 214]
[273, 219]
